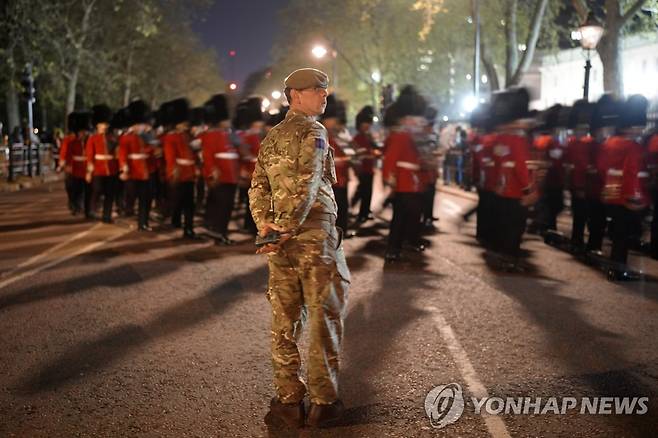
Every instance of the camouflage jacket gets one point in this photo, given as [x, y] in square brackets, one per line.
[294, 174]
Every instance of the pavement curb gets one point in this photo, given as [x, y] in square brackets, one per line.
[28, 183]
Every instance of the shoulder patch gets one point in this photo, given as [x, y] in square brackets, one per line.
[319, 143]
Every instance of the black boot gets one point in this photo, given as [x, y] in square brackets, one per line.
[325, 415]
[292, 414]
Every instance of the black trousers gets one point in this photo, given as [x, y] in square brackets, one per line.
[340, 193]
[219, 207]
[596, 224]
[79, 195]
[183, 204]
[363, 195]
[510, 225]
[549, 206]
[407, 208]
[485, 217]
[103, 186]
[143, 192]
[427, 212]
[579, 212]
[120, 195]
[654, 225]
[622, 225]
[200, 191]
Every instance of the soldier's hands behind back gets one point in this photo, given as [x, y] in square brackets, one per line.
[272, 247]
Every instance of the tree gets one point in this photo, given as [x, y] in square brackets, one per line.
[617, 15]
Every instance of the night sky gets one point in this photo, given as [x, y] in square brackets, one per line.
[246, 26]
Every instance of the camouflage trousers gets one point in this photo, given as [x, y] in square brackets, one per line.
[308, 285]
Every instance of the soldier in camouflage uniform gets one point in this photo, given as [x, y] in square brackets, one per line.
[291, 193]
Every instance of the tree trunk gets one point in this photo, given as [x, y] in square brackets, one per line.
[608, 50]
[129, 67]
[531, 42]
[492, 74]
[511, 42]
[71, 89]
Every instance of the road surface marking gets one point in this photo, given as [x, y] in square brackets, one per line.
[63, 257]
[50, 250]
[494, 423]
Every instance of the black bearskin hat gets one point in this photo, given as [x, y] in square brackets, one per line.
[332, 108]
[606, 112]
[275, 119]
[139, 112]
[580, 114]
[216, 109]
[410, 103]
[177, 111]
[120, 119]
[197, 116]
[509, 105]
[633, 112]
[366, 115]
[100, 114]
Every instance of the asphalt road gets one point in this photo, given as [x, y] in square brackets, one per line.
[105, 331]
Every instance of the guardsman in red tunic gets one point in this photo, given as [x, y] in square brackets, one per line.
[547, 176]
[402, 171]
[331, 119]
[366, 153]
[249, 121]
[513, 185]
[427, 144]
[576, 162]
[135, 151]
[73, 160]
[623, 165]
[220, 168]
[604, 117]
[482, 141]
[652, 167]
[181, 166]
[102, 165]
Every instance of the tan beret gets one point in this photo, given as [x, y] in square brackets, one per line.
[306, 78]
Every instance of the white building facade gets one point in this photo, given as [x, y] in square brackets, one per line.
[562, 74]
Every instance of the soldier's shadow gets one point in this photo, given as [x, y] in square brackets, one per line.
[97, 354]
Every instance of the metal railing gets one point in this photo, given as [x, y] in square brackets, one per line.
[27, 160]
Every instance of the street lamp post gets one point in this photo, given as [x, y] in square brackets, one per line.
[590, 32]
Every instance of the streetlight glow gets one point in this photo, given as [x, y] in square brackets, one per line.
[469, 103]
[265, 104]
[276, 94]
[376, 76]
[233, 86]
[319, 51]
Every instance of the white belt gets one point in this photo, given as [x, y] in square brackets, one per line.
[509, 164]
[568, 166]
[103, 157]
[361, 150]
[489, 163]
[341, 159]
[615, 172]
[643, 174]
[253, 160]
[408, 165]
[137, 156]
[184, 162]
[79, 158]
[227, 155]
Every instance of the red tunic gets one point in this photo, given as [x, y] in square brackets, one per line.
[593, 180]
[365, 152]
[510, 154]
[402, 163]
[133, 156]
[100, 161]
[72, 153]
[482, 165]
[248, 162]
[652, 161]
[342, 163]
[611, 165]
[220, 157]
[576, 162]
[179, 157]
